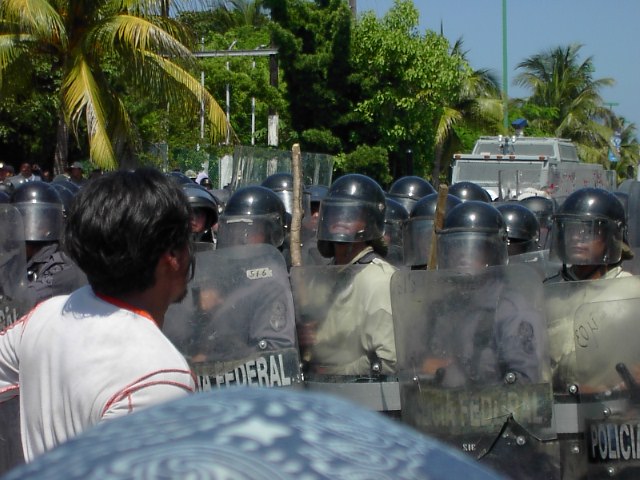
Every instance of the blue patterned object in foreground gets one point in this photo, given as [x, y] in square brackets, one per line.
[253, 434]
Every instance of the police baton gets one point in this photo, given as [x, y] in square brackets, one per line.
[438, 223]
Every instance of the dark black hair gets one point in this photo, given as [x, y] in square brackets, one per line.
[121, 223]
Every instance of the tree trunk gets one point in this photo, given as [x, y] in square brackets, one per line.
[61, 154]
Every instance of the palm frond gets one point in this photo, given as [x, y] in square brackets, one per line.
[36, 17]
[82, 96]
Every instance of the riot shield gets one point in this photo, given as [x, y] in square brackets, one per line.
[345, 332]
[14, 302]
[236, 325]
[563, 301]
[473, 364]
[539, 261]
[607, 376]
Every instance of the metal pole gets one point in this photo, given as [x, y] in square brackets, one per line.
[228, 99]
[505, 76]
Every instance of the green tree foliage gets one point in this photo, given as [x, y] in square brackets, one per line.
[476, 107]
[313, 39]
[98, 47]
[370, 161]
[406, 79]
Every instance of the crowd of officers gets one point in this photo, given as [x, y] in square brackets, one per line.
[355, 222]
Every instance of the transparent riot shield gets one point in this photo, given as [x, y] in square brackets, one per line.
[539, 261]
[14, 303]
[345, 331]
[236, 325]
[473, 364]
[607, 378]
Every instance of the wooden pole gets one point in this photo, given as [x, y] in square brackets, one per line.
[296, 220]
[438, 222]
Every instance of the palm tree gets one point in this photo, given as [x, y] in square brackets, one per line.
[96, 45]
[562, 84]
[477, 104]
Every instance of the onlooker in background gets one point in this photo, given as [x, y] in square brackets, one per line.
[75, 174]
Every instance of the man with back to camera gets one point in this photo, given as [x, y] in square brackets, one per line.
[99, 353]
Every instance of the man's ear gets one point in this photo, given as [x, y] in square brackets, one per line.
[171, 259]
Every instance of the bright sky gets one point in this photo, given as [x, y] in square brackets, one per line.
[607, 29]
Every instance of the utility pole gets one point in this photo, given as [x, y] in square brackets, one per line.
[505, 76]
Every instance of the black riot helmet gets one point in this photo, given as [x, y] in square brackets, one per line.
[523, 229]
[408, 190]
[202, 202]
[253, 214]
[394, 218]
[66, 196]
[543, 208]
[282, 184]
[353, 210]
[467, 191]
[4, 197]
[179, 177]
[589, 228]
[42, 211]
[419, 229]
[474, 236]
[66, 183]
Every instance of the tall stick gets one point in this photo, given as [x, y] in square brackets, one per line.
[296, 220]
[438, 222]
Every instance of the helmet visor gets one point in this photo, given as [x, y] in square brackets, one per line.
[417, 241]
[471, 250]
[43, 222]
[350, 221]
[237, 230]
[577, 241]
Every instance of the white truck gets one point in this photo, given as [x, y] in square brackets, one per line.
[512, 167]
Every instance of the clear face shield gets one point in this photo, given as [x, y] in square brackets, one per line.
[576, 241]
[417, 241]
[236, 230]
[518, 246]
[348, 221]
[471, 251]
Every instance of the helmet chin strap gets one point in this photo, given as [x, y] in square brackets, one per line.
[570, 273]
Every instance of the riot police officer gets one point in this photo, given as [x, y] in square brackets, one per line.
[419, 229]
[253, 214]
[282, 184]
[408, 190]
[394, 218]
[589, 236]
[204, 212]
[50, 272]
[523, 229]
[467, 191]
[499, 331]
[356, 334]
[543, 208]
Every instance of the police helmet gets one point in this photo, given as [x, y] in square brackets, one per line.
[353, 210]
[179, 177]
[408, 190]
[394, 218]
[202, 200]
[42, 211]
[467, 191]
[253, 214]
[523, 229]
[66, 183]
[589, 228]
[206, 183]
[282, 184]
[419, 229]
[474, 236]
[66, 196]
[4, 197]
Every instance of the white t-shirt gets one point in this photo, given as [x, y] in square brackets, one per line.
[78, 359]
